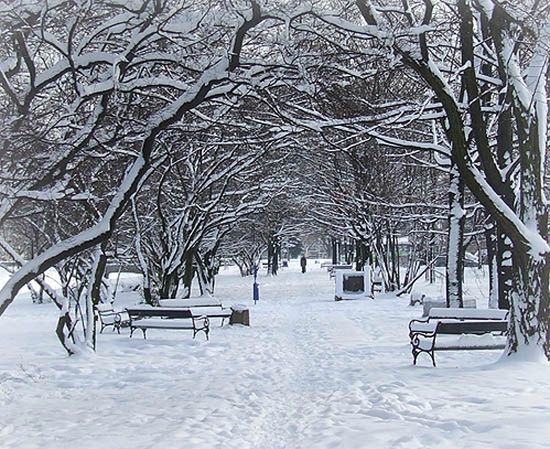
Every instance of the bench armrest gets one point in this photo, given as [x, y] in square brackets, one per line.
[201, 322]
[108, 316]
[418, 325]
[123, 316]
[117, 316]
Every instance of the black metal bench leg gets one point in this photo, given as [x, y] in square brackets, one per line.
[432, 355]
[415, 356]
[416, 352]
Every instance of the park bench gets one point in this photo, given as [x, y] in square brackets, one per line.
[477, 329]
[148, 317]
[110, 317]
[332, 269]
[377, 286]
[209, 307]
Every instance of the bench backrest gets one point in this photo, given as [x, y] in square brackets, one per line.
[190, 303]
[341, 267]
[468, 314]
[471, 327]
[103, 307]
[163, 312]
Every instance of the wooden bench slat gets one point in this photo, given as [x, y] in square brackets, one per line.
[210, 313]
[471, 327]
[475, 348]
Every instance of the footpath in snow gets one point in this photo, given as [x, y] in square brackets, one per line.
[308, 373]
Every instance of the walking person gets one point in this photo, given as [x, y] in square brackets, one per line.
[303, 263]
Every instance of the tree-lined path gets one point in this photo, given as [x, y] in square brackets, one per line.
[174, 137]
[308, 373]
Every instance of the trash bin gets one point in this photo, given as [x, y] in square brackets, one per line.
[239, 315]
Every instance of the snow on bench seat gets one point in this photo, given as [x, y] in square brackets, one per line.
[430, 325]
[211, 312]
[465, 341]
[470, 314]
[156, 323]
[485, 341]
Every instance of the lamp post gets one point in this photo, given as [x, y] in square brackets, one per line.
[255, 286]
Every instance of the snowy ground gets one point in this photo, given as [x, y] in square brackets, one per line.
[309, 373]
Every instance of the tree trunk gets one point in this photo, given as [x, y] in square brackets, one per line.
[273, 255]
[93, 296]
[334, 246]
[64, 322]
[188, 274]
[143, 262]
[455, 241]
[276, 252]
[168, 285]
[269, 256]
[360, 255]
[505, 270]
[529, 323]
[530, 319]
[491, 244]
[206, 272]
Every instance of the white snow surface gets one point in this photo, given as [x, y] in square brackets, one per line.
[308, 373]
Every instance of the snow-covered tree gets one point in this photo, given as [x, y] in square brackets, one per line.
[89, 92]
[191, 202]
[485, 64]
